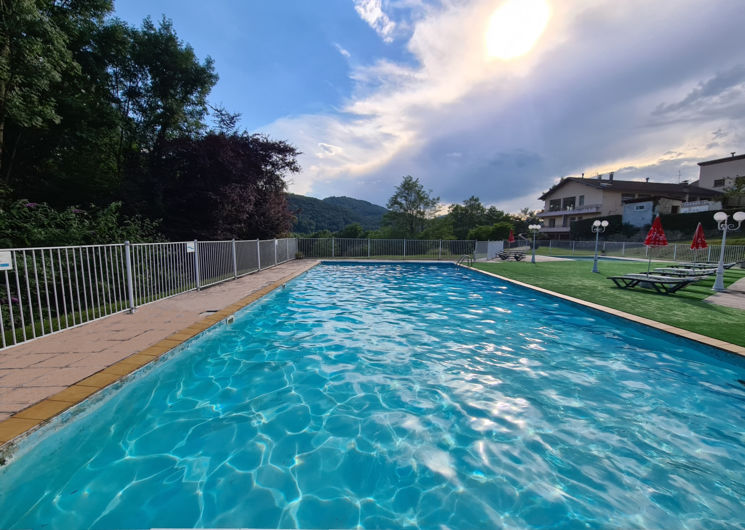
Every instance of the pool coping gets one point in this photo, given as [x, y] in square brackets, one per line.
[28, 420]
[684, 333]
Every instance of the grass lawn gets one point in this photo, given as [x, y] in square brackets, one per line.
[684, 309]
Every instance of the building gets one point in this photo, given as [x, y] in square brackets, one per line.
[722, 173]
[574, 199]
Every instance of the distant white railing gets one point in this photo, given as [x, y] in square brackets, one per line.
[45, 290]
[393, 249]
[671, 252]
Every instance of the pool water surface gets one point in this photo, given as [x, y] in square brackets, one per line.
[402, 396]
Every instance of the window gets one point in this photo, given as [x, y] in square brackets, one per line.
[552, 222]
[581, 200]
[718, 183]
[567, 203]
[640, 207]
[675, 209]
[627, 196]
[554, 205]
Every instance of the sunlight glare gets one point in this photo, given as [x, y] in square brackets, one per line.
[515, 27]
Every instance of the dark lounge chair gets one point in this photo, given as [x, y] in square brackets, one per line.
[661, 284]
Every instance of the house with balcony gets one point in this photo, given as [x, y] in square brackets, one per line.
[723, 173]
[573, 199]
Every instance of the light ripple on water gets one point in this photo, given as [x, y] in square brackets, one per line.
[403, 396]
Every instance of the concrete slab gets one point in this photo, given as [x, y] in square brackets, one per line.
[73, 364]
[734, 296]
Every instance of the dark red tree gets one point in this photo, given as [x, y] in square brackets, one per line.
[219, 186]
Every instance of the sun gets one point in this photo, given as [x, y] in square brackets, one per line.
[515, 27]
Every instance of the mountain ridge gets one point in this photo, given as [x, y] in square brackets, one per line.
[333, 213]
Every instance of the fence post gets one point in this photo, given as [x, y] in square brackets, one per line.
[332, 247]
[275, 250]
[235, 262]
[404, 249]
[572, 248]
[196, 263]
[258, 253]
[675, 251]
[439, 255]
[623, 248]
[708, 258]
[130, 285]
[368, 247]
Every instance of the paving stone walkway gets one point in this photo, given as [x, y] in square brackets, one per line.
[734, 296]
[38, 369]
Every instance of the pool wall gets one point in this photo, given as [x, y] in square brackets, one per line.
[15, 429]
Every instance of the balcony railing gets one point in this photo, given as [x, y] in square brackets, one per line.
[588, 208]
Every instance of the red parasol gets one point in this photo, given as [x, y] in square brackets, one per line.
[511, 239]
[655, 238]
[699, 241]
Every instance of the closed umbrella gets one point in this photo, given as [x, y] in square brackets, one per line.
[655, 238]
[699, 241]
[511, 239]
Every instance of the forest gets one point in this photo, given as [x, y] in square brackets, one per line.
[106, 133]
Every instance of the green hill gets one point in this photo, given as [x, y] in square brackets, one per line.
[333, 213]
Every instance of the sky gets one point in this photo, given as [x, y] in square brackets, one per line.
[493, 98]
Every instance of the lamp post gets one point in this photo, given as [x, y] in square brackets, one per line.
[534, 229]
[723, 225]
[598, 226]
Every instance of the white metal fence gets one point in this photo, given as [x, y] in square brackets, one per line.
[45, 290]
[435, 249]
[671, 252]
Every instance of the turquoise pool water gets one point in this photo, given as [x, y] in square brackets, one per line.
[403, 396]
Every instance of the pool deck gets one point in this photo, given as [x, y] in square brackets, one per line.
[42, 378]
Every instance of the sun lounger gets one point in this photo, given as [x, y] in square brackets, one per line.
[680, 271]
[703, 265]
[517, 255]
[661, 284]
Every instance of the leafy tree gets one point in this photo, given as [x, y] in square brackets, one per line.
[219, 187]
[353, 231]
[33, 56]
[410, 207]
[495, 232]
[438, 228]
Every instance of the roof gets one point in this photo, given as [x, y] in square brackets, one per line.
[666, 189]
[722, 160]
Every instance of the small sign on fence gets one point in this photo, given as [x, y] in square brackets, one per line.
[190, 246]
[6, 261]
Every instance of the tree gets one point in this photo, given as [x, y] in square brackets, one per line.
[352, 231]
[410, 207]
[33, 56]
[219, 187]
[495, 232]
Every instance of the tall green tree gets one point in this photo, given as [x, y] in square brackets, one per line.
[410, 207]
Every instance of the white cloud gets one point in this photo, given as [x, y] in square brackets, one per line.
[371, 11]
[342, 50]
[610, 85]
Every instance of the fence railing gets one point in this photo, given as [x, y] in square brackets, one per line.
[671, 252]
[46, 290]
[414, 249]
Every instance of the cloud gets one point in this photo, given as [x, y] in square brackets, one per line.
[342, 51]
[371, 11]
[609, 85]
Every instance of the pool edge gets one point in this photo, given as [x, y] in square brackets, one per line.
[684, 333]
[28, 420]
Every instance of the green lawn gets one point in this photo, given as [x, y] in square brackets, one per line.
[684, 309]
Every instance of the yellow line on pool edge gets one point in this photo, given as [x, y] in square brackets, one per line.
[32, 417]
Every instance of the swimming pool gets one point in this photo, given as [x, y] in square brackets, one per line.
[402, 396]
